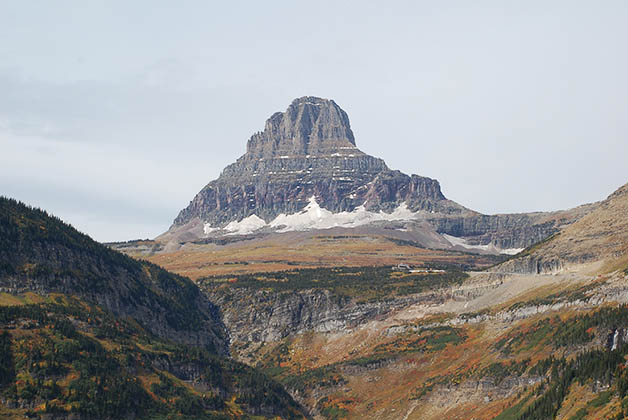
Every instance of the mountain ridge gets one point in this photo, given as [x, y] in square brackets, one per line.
[42, 254]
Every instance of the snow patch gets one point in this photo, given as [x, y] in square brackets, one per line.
[511, 251]
[245, 226]
[313, 216]
[207, 228]
[489, 248]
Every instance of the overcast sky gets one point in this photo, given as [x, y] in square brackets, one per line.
[114, 114]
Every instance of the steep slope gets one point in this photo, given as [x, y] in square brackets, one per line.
[40, 253]
[385, 344]
[600, 236]
[86, 332]
[65, 358]
[305, 172]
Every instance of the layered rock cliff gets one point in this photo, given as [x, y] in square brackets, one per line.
[264, 316]
[309, 150]
[307, 156]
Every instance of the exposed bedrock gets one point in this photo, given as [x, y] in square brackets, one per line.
[504, 231]
[265, 316]
[310, 151]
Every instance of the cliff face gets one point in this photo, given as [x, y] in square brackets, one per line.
[309, 150]
[518, 230]
[309, 153]
[269, 307]
[310, 126]
[263, 316]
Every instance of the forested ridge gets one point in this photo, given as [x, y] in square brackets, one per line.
[89, 333]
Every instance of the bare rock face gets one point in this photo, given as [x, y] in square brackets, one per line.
[309, 150]
[502, 230]
[310, 126]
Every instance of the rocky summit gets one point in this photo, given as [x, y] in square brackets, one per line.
[305, 172]
[308, 151]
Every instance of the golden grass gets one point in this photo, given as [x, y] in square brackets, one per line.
[7, 299]
[196, 261]
[578, 397]
[616, 264]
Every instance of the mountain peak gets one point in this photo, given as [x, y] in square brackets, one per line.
[311, 100]
[307, 150]
[310, 125]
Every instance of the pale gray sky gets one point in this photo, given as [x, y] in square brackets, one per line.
[113, 114]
